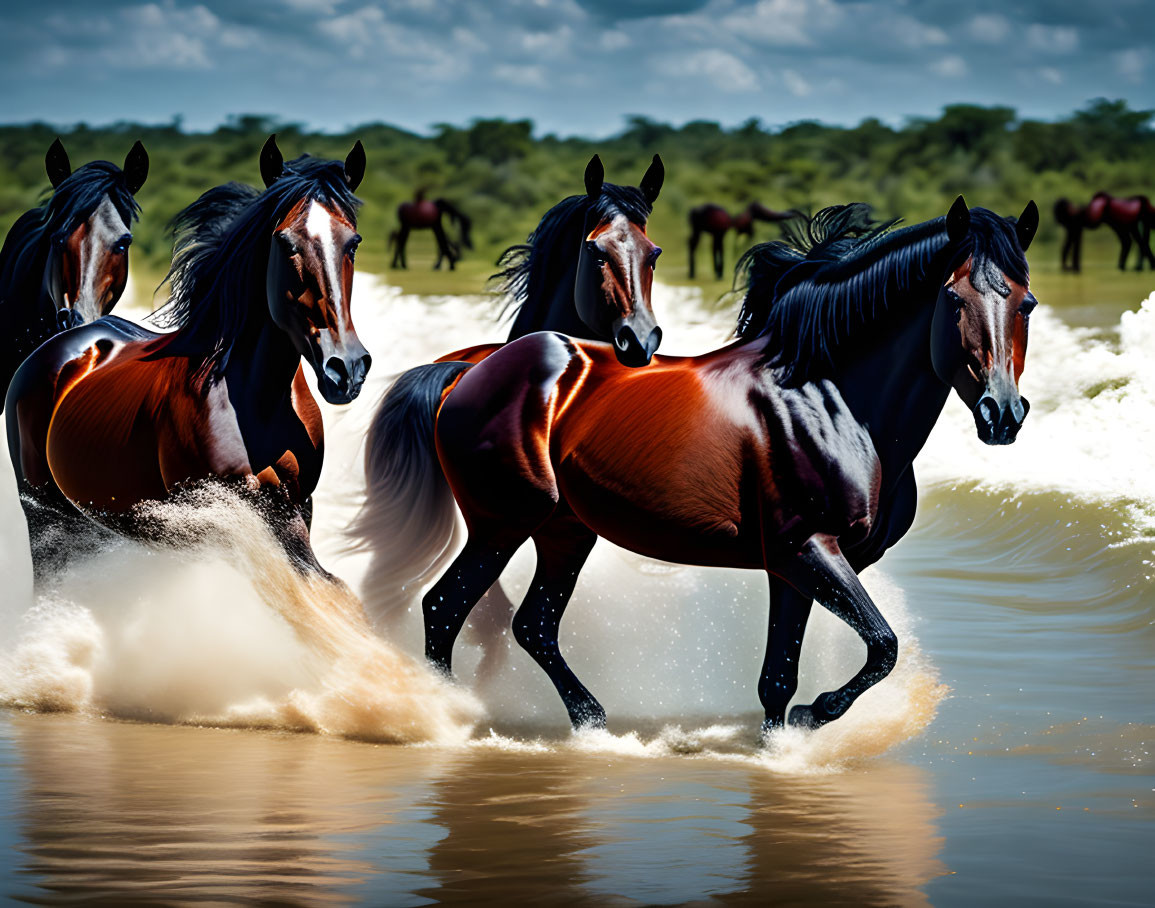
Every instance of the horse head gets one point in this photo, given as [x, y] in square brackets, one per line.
[87, 267]
[979, 333]
[615, 270]
[309, 279]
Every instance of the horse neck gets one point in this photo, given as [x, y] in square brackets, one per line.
[892, 387]
[263, 362]
[558, 313]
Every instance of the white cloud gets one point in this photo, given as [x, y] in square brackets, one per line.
[911, 33]
[1055, 39]
[1131, 64]
[723, 70]
[989, 28]
[522, 75]
[1052, 75]
[796, 84]
[614, 40]
[952, 66]
[367, 33]
[319, 7]
[784, 23]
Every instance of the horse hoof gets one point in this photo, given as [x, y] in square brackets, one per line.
[590, 717]
[804, 717]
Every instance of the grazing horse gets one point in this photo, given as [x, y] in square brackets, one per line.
[1131, 218]
[66, 262]
[716, 221]
[586, 271]
[788, 451]
[109, 415]
[421, 214]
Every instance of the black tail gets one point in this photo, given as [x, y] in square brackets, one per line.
[408, 520]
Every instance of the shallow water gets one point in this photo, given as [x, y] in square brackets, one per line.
[1007, 758]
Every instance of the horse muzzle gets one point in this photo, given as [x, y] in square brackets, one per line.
[341, 378]
[630, 349]
[998, 421]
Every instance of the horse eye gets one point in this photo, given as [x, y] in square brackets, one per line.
[1027, 306]
[596, 251]
[654, 256]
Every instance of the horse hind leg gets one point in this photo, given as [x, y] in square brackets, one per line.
[820, 571]
[563, 545]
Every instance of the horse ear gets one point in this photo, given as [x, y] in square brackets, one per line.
[595, 176]
[272, 162]
[652, 181]
[135, 167]
[355, 166]
[958, 220]
[57, 164]
[1028, 224]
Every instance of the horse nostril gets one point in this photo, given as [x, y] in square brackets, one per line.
[989, 410]
[337, 372]
[365, 362]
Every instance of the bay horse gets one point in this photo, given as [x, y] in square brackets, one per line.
[717, 221]
[586, 271]
[1131, 218]
[109, 415]
[65, 262]
[788, 451]
[1072, 217]
[422, 214]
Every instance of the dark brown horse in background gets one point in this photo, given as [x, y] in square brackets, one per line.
[65, 263]
[423, 214]
[1131, 218]
[717, 221]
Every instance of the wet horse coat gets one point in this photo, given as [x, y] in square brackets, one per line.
[788, 451]
[110, 415]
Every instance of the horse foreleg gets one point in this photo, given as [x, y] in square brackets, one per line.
[820, 571]
[563, 545]
[450, 600]
[399, 249]
[444, 250]
[1125, 242]
[719, 240]
[694, 237]
[789, 612]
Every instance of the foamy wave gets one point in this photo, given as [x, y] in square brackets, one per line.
[226, 634]
[1091, 429]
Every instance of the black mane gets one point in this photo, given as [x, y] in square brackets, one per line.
[530, 271]
[25, 251]
[220, 251]
[815, 295]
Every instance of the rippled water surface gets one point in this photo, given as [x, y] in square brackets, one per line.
[203, 725]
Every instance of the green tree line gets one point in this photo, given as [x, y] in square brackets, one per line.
[505, 176]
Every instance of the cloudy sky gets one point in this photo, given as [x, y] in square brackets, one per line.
[573, 66]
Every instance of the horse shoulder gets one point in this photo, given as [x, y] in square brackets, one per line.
[822, 472]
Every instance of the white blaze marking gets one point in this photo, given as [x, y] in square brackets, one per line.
[319, 225]
[105, 227]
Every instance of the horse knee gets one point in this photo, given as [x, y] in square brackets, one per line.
[884, 652]
[534, 634]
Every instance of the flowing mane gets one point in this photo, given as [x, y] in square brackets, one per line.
[530, 271]
[816, 295]
[25, 251]
[219, 254]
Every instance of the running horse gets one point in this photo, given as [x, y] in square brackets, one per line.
[716, 221]
[109, 415]
[1131, 218]
[586, 271]
[788, 451]
[422, 214]
[66, 262]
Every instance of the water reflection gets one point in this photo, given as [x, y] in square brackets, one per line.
[145, 813]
